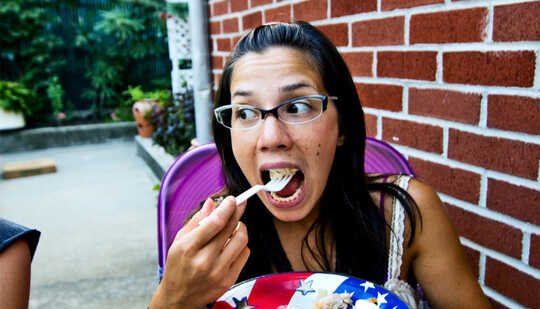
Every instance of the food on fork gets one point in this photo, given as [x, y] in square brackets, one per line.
[293, 188]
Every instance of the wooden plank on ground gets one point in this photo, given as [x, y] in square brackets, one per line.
[28, 168]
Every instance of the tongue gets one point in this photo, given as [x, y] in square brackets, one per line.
[291, 187]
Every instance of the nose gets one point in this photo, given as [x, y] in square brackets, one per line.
[273, 135]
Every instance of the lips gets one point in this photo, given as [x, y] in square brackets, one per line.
[293, 192]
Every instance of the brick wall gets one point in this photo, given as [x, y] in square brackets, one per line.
[453, 85]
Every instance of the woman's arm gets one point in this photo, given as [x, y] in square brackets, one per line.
[440, 266]
[15, 275]
[205, 259]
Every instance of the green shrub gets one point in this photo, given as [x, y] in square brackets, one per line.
[15, 97]
[174, 122]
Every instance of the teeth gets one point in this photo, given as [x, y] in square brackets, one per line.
[282, 172]
[288, 198]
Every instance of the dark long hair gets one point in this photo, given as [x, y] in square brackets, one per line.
[347, 209]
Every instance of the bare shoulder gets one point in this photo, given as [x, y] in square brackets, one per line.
[439, 262]
[434, 223]
[15, 269]
[18, 251]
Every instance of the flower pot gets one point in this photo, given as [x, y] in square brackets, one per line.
[140, 111]
[11, 120]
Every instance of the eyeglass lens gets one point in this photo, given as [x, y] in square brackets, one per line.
[295, 112]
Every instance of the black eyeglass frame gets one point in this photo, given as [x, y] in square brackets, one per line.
[274, 111]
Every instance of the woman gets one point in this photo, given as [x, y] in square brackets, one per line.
[287, 101]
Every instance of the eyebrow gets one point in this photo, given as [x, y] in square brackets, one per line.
[286, 88]
[242, 93]
[292, 87]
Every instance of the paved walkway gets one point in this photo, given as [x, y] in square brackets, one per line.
[97, 216]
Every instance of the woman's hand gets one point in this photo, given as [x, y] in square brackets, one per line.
[204, 260]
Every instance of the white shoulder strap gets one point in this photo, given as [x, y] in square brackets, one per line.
[395, 253]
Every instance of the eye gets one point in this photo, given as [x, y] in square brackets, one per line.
[245, 114]
[298, 107]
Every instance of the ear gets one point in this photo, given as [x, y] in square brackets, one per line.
[341, 140]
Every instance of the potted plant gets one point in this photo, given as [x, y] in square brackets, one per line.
[15, 105]
[143, 104]
[174, 122]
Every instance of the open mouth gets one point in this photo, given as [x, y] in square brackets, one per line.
[292, 190]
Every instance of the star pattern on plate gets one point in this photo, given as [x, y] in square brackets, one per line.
[367, 285]
[381, 298]
[242, 304]
[305, 287]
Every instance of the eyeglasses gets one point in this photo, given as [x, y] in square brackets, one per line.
[294, 111]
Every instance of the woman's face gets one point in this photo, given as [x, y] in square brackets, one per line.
[265, 80]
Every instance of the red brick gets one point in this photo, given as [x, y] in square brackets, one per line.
[517, 22]
[456, 182]
[473, 257]
[217, 62]
[215, 27]
[388, 31]
[449, 27]
[488, 233]
[412, 65]
[397, 4]
[534, 253]
[516, 201]
[255, 3]
[371, 124]
[504, 155]
[388, 97]
[252, 20]
[513, 283]
[235, 40]
[220, 8]
[514, 113]
[239, 5]
[230, 25]
[279, 14]
[445, 104]
[412, 134]
[224, 44]
[310, 10]
[348, 7]
[500, 68]
[359, 63]
[337, 33]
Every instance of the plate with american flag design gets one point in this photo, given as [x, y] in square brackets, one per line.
[307, 290]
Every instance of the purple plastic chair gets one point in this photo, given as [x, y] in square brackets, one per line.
[197, 174]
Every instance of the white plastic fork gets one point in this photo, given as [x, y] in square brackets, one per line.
[274, 185]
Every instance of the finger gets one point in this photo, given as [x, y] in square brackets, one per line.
[239, 262]
[234, 247]
[214, 224]
[213, 248]
[208, 206]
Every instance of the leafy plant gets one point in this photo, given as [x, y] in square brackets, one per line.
[15, 97]
[116, 45]
[55, 94]
[134, 94]
[174, 122]
[179, 9]
[29, 47]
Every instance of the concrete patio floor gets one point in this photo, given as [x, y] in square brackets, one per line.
[97, 216]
